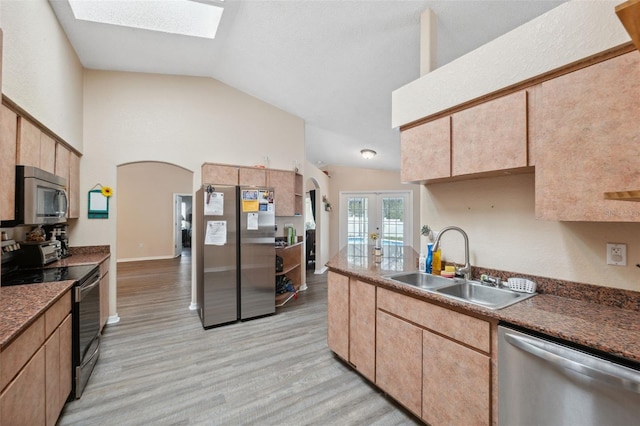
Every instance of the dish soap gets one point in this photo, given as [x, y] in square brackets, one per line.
[436, 265]
[429, 258]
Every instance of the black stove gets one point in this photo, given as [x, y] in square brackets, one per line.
[43, 275]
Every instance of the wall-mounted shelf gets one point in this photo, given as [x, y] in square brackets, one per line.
[623, 195]
[629, 14]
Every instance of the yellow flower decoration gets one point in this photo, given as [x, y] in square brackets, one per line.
[374, 236]
[107, 191]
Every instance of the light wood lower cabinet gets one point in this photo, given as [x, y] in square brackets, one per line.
[399, 361]
[351, 322]
[37, 372]
[23, 400]
[362, 327]
[456, 383]
[434, 361]
[338, 314]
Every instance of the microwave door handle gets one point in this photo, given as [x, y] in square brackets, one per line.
[62, 193]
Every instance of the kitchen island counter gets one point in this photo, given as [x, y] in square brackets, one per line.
[602, 327]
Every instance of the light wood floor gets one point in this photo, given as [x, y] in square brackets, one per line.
[159, 367]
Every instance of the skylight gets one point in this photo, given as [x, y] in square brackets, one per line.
[186, 17]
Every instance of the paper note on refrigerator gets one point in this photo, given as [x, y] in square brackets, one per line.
[252, 221]
[213, 203]
[216, 233]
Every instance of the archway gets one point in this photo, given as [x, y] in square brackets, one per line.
[146, 215]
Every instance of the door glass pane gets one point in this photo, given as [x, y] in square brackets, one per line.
[393, 221]
[357, 225]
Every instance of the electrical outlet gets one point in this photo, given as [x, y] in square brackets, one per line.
[617, 254]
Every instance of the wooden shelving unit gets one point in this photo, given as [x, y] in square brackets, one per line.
[623, 195]
[292, 257]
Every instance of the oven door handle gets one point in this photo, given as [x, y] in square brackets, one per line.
[81, 291]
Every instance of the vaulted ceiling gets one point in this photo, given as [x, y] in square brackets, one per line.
[334, 63]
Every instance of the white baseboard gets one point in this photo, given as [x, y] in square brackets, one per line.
[113, 319]
[321, 271]
[193, 306]
[303, 287]
[137, 259]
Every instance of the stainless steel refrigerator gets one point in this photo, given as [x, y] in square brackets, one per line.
[235, 256]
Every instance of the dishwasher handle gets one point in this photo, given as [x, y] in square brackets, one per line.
[616, 376]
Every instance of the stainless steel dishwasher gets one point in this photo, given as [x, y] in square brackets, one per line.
[541, 382]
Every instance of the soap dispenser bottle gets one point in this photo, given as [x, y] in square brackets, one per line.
[429, 258]
[422, 263]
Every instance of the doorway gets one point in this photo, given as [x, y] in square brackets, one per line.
[182, 216]
[387, 214]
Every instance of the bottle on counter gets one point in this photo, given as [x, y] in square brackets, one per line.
[422, 263]
[429, 258]
[436, 265]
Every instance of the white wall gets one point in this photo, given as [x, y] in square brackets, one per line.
[145, 216]
[567, 33]
[498, 214]
[40, 69]
[184, 121]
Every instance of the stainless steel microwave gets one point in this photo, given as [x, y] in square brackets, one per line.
[41, 197]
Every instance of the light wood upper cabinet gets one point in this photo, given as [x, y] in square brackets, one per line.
[219, 174]
[252, 176]
[28, 144]
[47, 153]
[73, 188]
[287, 188]
[491, 136]
[62, 162]
[591, 143]
[426, 151]
[8, 136]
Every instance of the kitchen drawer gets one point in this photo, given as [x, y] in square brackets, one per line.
[57, 313]
[16, 355]
[463, 328]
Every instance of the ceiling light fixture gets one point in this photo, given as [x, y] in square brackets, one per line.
[368, 153]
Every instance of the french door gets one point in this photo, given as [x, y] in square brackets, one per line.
[387, 214]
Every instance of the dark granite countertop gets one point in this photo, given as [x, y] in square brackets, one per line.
[21, 305]
[609, 329]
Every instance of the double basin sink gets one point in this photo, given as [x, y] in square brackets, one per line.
[461, 289]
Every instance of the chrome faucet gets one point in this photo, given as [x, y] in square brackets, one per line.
[466, 269]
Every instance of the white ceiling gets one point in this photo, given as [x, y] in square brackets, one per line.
[334, 63]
